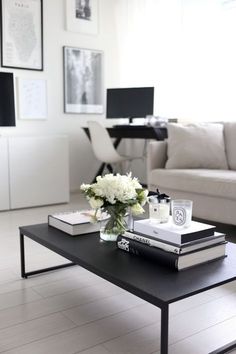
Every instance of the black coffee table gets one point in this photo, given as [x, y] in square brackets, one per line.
[156, 284]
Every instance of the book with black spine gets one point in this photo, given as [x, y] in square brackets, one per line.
[170, 259]
[175, 248]
[172, 233]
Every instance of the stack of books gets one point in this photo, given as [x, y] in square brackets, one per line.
[179, 248]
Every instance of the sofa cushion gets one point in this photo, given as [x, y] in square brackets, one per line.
[196, 146]
[215, 183]
[230, 143]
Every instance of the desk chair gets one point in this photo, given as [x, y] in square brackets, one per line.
[104, 149]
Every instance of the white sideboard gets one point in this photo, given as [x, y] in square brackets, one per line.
[4, 175]
[36, 171]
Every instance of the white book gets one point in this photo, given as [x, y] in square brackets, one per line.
[76, 222]
[172, 233]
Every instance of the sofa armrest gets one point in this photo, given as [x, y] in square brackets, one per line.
[156, 155]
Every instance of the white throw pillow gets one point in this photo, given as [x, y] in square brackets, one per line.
[230, 143]
[196, 146]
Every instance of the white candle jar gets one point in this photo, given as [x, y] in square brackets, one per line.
[181, 211]
[159, 209]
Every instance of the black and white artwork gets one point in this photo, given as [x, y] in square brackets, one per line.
[83, 80]
[82, 16]
[83, 9]
[22, 34]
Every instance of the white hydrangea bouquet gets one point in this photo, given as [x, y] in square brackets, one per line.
[116, 195]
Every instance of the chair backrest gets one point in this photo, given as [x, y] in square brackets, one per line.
[102, 144]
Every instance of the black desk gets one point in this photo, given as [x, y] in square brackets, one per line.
[156, 284]
[134, 132]
[120, 132]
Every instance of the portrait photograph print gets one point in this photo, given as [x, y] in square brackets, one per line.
[22, 34]
[83, 80]
[82, 16]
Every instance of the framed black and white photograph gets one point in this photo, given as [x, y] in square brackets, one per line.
[82, 16]
[22, 34]
[83, 80]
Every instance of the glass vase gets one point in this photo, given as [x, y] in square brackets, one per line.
[117, 223]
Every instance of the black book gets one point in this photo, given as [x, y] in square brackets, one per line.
[170, 259]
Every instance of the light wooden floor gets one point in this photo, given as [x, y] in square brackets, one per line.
[73, 311]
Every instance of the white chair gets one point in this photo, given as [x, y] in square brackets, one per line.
[104, 149]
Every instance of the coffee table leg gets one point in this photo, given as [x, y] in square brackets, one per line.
[164, 329]
[25, 274]
[22, 256]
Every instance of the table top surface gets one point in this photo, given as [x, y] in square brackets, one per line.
[135, 132]
[152, 282]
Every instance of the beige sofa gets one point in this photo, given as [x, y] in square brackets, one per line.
[211, 185]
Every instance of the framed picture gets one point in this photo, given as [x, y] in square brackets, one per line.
[82, 16]
[32, 98]
[83, 86]
[22, 34]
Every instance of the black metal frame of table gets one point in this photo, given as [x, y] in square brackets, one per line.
[148, 280]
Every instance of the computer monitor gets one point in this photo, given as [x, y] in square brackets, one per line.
[7, 102]
[130, 102]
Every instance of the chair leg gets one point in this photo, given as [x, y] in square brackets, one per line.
[109, 167]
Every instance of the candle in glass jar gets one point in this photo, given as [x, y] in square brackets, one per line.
[159, 210]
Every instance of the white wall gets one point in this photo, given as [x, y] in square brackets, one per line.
[185, 48]
[82, 162]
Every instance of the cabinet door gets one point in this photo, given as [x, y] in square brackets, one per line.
[4, 175]
[39, 171]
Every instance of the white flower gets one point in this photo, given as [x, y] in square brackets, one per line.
[95, 203]
[143, 197]
[136, 209]
[84, 187]
[111, 189]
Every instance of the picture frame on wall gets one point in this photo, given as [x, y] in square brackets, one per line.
[32, 99]
[82, 16]
[22, 34]
[83, 80]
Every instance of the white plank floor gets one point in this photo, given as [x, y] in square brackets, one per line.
[74, 311]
